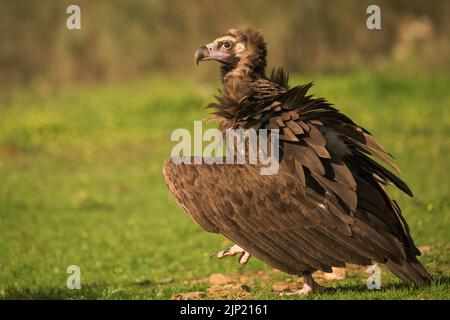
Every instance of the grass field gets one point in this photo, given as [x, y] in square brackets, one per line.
[81, 183]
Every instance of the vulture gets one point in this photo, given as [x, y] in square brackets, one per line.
[327, 204]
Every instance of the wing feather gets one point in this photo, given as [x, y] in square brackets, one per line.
[324, 208]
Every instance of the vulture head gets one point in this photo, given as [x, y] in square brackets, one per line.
[238, 51]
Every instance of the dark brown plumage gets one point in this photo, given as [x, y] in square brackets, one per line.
[327, 205]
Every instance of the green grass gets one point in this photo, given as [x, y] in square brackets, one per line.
[81, 183]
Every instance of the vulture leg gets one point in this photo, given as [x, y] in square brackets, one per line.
[309, 285]
[231, 252]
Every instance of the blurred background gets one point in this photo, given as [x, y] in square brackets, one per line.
[86, 117]
[127, 39]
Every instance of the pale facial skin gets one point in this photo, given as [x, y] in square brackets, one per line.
[224, 49]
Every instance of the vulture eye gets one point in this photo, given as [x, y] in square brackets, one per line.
[226, 45]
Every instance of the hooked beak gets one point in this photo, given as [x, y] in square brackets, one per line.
[201, 54]
[208, 52]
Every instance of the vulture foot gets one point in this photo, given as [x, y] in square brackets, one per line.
[309, 286]
[231, 252]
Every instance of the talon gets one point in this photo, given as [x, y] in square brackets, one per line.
[231, 252]
[309, 286]
[222, 254]
[212, 255]
[243, 259]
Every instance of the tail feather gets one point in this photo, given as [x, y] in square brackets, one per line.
[410, 272]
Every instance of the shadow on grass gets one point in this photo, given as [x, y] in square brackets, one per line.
[438, 280]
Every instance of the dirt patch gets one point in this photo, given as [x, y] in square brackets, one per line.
[197, 295]
[239, 285]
